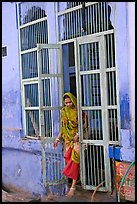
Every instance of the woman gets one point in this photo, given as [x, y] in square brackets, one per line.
[69, 132]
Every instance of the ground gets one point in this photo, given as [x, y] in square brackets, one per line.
[80, 196]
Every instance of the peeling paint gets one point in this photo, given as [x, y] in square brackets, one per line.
[125, 112]
[128, 154]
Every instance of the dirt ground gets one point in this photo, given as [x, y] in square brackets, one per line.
[81, 195]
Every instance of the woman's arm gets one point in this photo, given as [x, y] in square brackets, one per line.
[55, 144]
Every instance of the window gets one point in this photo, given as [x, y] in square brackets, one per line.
[4, 51]
[31, 35]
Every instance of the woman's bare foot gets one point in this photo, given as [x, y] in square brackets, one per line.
[71, 192]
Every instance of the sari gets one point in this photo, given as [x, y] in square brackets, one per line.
[69, 128]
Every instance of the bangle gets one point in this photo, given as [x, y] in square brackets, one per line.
[58, 139]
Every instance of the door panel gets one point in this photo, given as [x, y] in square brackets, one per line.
[90, 56]
[50, 84]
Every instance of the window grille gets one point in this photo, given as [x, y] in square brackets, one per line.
[31, 11]
[33, 30]
[70, 20]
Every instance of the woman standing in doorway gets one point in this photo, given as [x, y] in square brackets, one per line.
[69, 133]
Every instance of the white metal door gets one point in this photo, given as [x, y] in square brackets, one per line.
[50, 82]
[93, 93]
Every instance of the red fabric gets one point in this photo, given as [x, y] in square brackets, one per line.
[71, 169]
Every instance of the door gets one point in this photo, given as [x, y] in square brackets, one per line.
[50, 84]
[92, 95]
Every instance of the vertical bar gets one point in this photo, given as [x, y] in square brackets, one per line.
[110, 88]
[112, 48]
[109, 59]
[113, 87]
[107, 26]
[92, 45]
[76, 23]
[93, 124]
[72, 24]
[111, 113]
[94, 26]
[96, 19]
[66, 26]
[88, 159]
[99, 17]
[98, 88]
[88, 87]
[114, 126]
[81, 22]
[97, 167]
[88, 57]
[105, 16]
[95, 55]
[96, 128]
[99, 127]
[91, 173]
[94, 149]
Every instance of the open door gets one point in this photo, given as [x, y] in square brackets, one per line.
[50, 84]
[92, 95]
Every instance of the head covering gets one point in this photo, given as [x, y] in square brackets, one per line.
[69, 125]
[72, 97]
[69, 119]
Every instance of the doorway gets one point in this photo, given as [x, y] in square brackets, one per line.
[90, 74]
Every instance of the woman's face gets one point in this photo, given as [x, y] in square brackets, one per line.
[68, 102]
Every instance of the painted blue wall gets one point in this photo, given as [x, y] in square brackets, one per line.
[11, 104]
[122, 23]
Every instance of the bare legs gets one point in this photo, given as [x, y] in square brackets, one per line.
[72, 189]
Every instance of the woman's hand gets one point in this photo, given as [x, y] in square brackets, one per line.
[76, 138]
[55, 144]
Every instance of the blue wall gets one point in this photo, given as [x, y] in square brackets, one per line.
[11, 104]
[121, 22]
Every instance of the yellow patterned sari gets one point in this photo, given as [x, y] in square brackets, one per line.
[69, 126]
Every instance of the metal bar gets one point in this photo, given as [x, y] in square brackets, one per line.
[94, 152]
[96, 19]
[88, 21]
[104, 111]
[72, 24]
[88, 174]
[32, 23]
[92, 125]
[101, 16]
[91, 162]
[104, 12]
[114, 126]
[113, 88]
[101, 156]
[97, 157]
[110, 88]
[99, 126]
